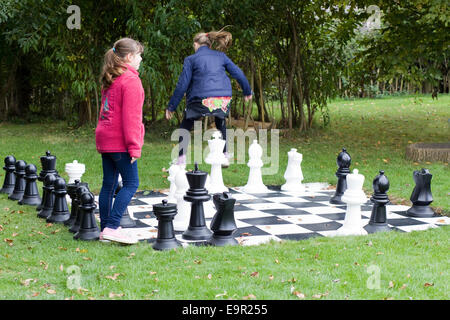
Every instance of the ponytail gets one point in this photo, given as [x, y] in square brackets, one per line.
[114, 61]
[219, 40]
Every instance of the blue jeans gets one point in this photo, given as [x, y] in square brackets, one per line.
[113, 164]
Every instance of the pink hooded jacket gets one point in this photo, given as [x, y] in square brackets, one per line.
[120, 127]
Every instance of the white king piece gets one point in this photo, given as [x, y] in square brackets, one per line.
[74, 170]
[293, 174]
[354, 197]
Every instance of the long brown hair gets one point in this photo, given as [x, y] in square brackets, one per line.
[114, 61]
[219, 40]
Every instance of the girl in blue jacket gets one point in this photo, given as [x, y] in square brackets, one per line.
[206, 85]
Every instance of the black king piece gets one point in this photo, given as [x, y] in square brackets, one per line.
[197, 194]
[343, 161]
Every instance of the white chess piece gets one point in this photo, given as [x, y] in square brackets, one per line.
[216, 158]
[181, 220]
[173, 170]
[74, 170]
[354, 197]
[293, 174]
[255, 183]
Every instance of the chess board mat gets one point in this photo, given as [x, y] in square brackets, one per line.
[276, 215]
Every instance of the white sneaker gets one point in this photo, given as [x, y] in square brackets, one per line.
[118, 235]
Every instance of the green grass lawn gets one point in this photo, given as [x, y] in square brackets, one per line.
[35, 256]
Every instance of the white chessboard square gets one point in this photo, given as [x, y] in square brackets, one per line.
[323, 210]
[243, 196]
[256, 240]
[303, 194]
[285, 199]
[418, 227]
[140, 208]
[279, 229]
[396, 207]
[441, 221]
[306, 219]
[152, 221]
[392, 215]
[142, 233]
[248, 214]
[266, 206]
[153, 200]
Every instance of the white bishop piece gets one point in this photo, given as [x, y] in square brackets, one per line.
[173, 170]
[181, 220]
[74, 170]
[293, 174]
[255, 183]
[354, 197]
[216, 158]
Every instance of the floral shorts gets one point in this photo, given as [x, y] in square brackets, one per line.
[214, 103]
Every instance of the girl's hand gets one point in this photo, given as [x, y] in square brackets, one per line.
[169, 114]
[133, 160]
[247, 98]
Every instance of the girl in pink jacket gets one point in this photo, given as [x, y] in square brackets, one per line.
[119, 135]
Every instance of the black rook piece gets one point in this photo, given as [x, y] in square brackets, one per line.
[10, 178]
[165, 213]
[72, 192]
[19, 187]
[31, 195]
[197, 194]
[343, 161]
[48, 197]
[223, 224]
[60, 212]
[76, 225]
[421, 196]
[88, 228]
[125, 221]
[378, 221]
[48, 163]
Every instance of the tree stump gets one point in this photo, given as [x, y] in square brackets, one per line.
[428, 152]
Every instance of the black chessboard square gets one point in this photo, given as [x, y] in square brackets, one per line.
[251, 201]
[137, 202]
[147, 194]
[404, 222]
[285, 212]
[263, 195]
[139, 224]
[264, 221]
[305, 204]
[323, 226]
[318, 198]
[298, 236]
[249, 231]
[144, 215]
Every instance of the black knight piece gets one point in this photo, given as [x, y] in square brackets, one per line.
[19, 187]
[76, 225]
[10, 178]
[223, 224]
[378, 220]
[343, 161]
[197, 194]
[421, 196]
[60, 212]
[165, 213]
[88, 228]
[48, 197]
[31, 195]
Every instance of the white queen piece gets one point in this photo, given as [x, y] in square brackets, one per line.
[74, 170]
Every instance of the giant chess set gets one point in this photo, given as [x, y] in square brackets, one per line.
[199, 209]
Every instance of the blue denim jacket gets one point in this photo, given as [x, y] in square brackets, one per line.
[204, 75]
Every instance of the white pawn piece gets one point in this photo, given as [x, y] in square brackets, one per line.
[216, 158]
[173, 170]
[74, 170]
[181, 220]
[354, 197]
[293, 174]
[255, 183]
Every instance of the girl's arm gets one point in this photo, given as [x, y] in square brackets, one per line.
[182, 85]
[237, 73]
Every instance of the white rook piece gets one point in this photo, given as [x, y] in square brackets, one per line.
[74, 170]
[293, 174]
[181, 220]
[354, 197]
[255, 183]
[216, 158]
[173, 170]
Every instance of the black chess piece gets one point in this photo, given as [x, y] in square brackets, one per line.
[165, 213]
[48, 163]
[10, 178]
[60, 212]
[223, 224]
[197, 194]
[75, 201]
[76, 225]
[31, 195]
[125, 221]
[421, 196]
[378, 220]
[88, 227]
[19, 186]
[343, 161]
[48, 197]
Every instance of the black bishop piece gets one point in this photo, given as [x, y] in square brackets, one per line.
[88, 228]
[378, 220]
[31, 195]
[10, 178]
[165, 212]
[197, 194]
[48, 197]
[19, 187]
[421, 196]
[223, 224]
[60, 212]
[343, 161]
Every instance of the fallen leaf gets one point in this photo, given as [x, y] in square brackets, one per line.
[114, 277]
[152, 272]
[55, 231]
[113, 295]
[35, 294]
[271, 277]
[403, 286]
[246, 234]
[209, 276]
[254, 274]
[51, 291]
[26, 282]
[379, 253]
[298, 294]
[1, 227]
[427, 284]
[370, 243]
[221, 294]
[391, 284]
[336, 280]
[250, 296]
[277, 261]
[8, 241]
[15, 234]
[61, 268]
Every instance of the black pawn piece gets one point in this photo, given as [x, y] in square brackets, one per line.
[48, 198]
[60, 212]
[10, 178]
[48, 163]
[75, 201]
[197, 194]
[125, 221]
[19, 187]
[378, 220]
[31, 195]
[88, 228]
[421, 196]
[165, 213]
[223, 224]
[76, 225]
[343, 161]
